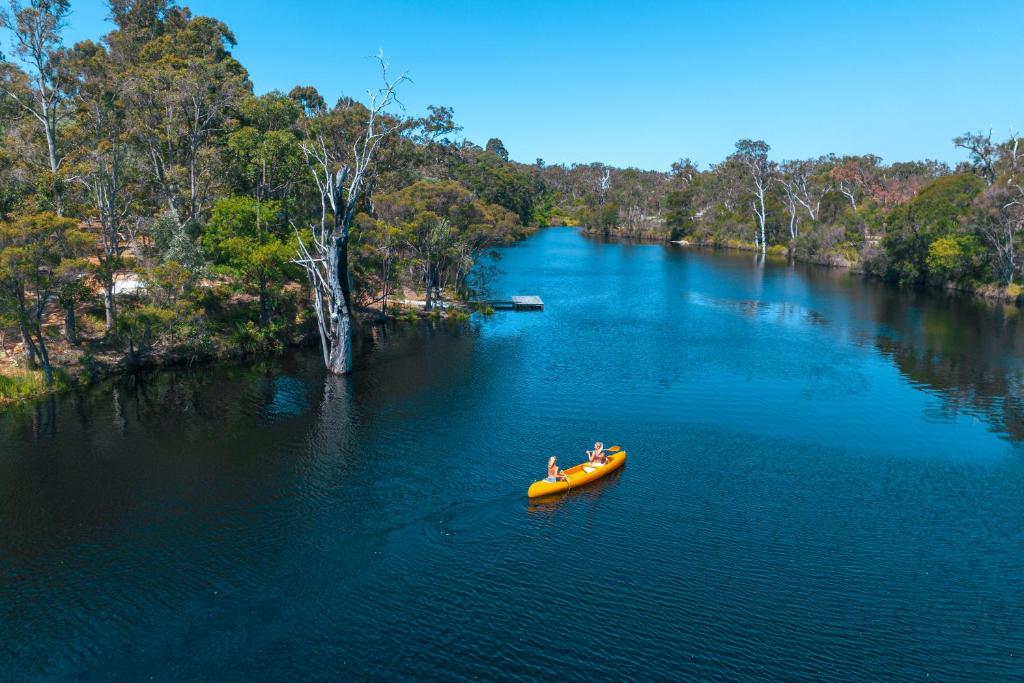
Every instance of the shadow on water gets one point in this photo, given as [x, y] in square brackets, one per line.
[966, 351]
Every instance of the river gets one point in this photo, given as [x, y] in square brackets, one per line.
[825, 481]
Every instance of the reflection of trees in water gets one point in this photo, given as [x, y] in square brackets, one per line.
[970, 352]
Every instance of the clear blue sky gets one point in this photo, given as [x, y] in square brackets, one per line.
[645, 83]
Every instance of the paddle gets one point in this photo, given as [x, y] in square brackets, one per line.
[613, 449]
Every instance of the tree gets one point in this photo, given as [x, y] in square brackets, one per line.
[343, 183]
[982, 153]
[497, 147]
[383, 255]
[937, 211]
[753, 155]
[951, 257]
[182, 87]
[104, 162]
[33, 254]
[241, 237]
[499, 182]
[445, 229]
[805, 183]
[438, 135]
[42, 87]
[854, 175]
[1000, 222]
[265, 151]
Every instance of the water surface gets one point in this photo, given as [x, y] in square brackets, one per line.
[825, 481]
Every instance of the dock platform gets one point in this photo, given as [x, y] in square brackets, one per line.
[519, 303]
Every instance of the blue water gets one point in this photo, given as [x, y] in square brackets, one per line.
[825, 481]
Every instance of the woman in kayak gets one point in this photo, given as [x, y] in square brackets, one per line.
[597, 456]
[555, 474]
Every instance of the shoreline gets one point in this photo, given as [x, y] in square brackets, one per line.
[990, 292]
[82, 375]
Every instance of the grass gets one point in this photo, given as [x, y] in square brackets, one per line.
[21, 385]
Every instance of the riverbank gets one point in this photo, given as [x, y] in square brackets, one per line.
[99, 359]
[1009, 294]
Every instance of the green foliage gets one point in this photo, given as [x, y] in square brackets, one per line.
[169, 153]
[22, 385]
[494, 180]
[170, 281]
[937, 211]
[245, 236]
[251, 338]
[951, 257]
[601, 217]
[137, 329]
[265, 149]
[172, 242]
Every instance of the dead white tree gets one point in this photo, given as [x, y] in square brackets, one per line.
[323, 252]
[604, 182]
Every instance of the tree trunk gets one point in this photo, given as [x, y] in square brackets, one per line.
[51, 148]
[31, 354]
[70, 324]
[110, 313]
[44, 357]
[428, 303]
[339, 322]
[339, 360]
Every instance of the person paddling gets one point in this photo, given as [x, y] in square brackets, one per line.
[555, 474]
[597, 456]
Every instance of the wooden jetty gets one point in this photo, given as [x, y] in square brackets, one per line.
[518, 303]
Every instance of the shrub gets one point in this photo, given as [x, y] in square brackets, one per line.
[251, 338]
[139, 328]
[20, 385]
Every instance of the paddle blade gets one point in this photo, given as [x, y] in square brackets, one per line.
[614, 449]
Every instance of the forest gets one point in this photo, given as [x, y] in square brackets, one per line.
[155, 209]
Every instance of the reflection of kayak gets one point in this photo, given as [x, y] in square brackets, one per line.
[578, 476]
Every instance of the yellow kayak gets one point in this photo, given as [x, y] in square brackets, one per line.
[581, 474]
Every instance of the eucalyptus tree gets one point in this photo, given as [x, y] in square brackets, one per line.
[39, 254]
[983, 153]
[496, 146]
[1000, 222]
[104, 164]
[761, 173]
[245, 237]
[438, 135]
[855, 176]
[342, 163]
[36, 79]
[805, 182]
[183, 87]
[264, 149]
[445, 229]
